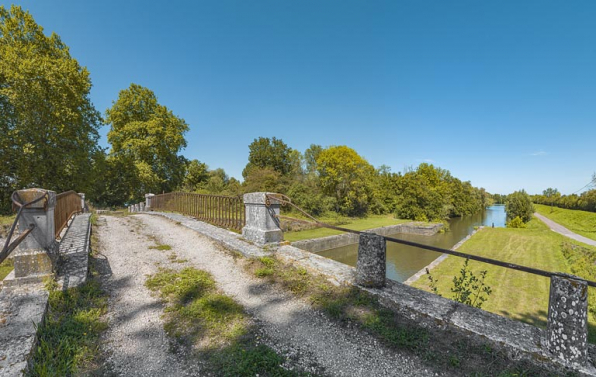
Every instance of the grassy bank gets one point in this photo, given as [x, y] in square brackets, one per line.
[201, 318]
[517, 295]
[580, 222]
[374, 221]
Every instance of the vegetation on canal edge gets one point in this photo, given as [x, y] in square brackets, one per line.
[198, 315]
[373, 221]
[349, 306]
[580, 222]
[515, 294]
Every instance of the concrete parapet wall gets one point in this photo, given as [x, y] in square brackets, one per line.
[317, 245]
[516, 339]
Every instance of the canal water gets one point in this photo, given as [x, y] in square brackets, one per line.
[404, 261]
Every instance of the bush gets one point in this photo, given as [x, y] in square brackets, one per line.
[516, 223]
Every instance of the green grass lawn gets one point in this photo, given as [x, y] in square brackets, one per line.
[517, 295]
[374, 221]
[5, 268]
[580, 222]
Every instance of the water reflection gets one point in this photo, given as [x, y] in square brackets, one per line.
[404, 261]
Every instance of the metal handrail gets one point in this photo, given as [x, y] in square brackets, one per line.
[9, 247]
[282, 199]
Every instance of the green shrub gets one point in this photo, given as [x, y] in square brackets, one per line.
[517, 222]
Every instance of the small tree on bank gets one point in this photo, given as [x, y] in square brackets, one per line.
[519, 204]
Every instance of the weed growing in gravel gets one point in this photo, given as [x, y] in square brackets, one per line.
[349, 305]
[69, 336]
[161, 247]
[198, 315]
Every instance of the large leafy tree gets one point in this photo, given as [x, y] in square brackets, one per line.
[273, 154]
[48, 125]
[346, 176]
[150, 136]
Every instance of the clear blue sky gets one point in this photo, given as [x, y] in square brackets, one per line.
[501, 93]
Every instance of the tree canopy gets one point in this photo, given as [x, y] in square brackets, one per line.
[346, 176]
[269, 153]
[48, 125]
[149, 136]
[519, 204]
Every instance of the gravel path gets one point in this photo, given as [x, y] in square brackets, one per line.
[555, 227]
[288, 325]
[135, 342]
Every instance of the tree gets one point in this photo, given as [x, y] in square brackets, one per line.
[269, 153]
[346, 176]
[151, 136]
[196, 173]
[48, 125]
[519, 204]
[310, 158]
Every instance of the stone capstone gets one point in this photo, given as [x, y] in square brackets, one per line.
[567, 328]
[371, 267]
[262, 225]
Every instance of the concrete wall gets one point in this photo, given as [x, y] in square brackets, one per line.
[317, 245]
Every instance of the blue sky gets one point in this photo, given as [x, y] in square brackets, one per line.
[500, 93]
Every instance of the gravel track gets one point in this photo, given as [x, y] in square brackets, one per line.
[137, 345]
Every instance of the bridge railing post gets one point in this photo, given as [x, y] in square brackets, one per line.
[148, 198]
[567, 327]
[82, 195]
[36, 256]
[262, 225]
[371, 265]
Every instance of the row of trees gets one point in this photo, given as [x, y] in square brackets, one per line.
[338, 179]
[49, 138]
[586, 201]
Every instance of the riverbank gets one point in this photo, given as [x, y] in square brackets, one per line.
[517, 295]
[370, 222]
[580, 222]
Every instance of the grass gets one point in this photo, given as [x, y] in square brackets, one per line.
[517, 295]
[200, 317]
[352, 307]
[69, 336]
[6, 267]
[161, 247]
[374, 221]
[580, 222]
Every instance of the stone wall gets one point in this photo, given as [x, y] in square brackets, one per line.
[317, 245]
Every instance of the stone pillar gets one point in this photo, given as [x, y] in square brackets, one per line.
[142, 206]
[148, 198]
[371, 267]
[567, 328]
[36, 256]
[82, 195]
[262, 227]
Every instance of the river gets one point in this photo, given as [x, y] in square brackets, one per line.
[404, 261]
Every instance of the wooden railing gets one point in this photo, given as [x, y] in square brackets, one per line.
[67, 204]
[224, 211]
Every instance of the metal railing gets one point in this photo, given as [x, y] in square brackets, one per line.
[224, 211]
[282, 199]
[67, 204]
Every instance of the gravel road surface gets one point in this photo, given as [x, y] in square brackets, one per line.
[137, 345]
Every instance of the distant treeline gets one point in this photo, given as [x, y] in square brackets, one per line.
[337, 179]
[586, 201]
